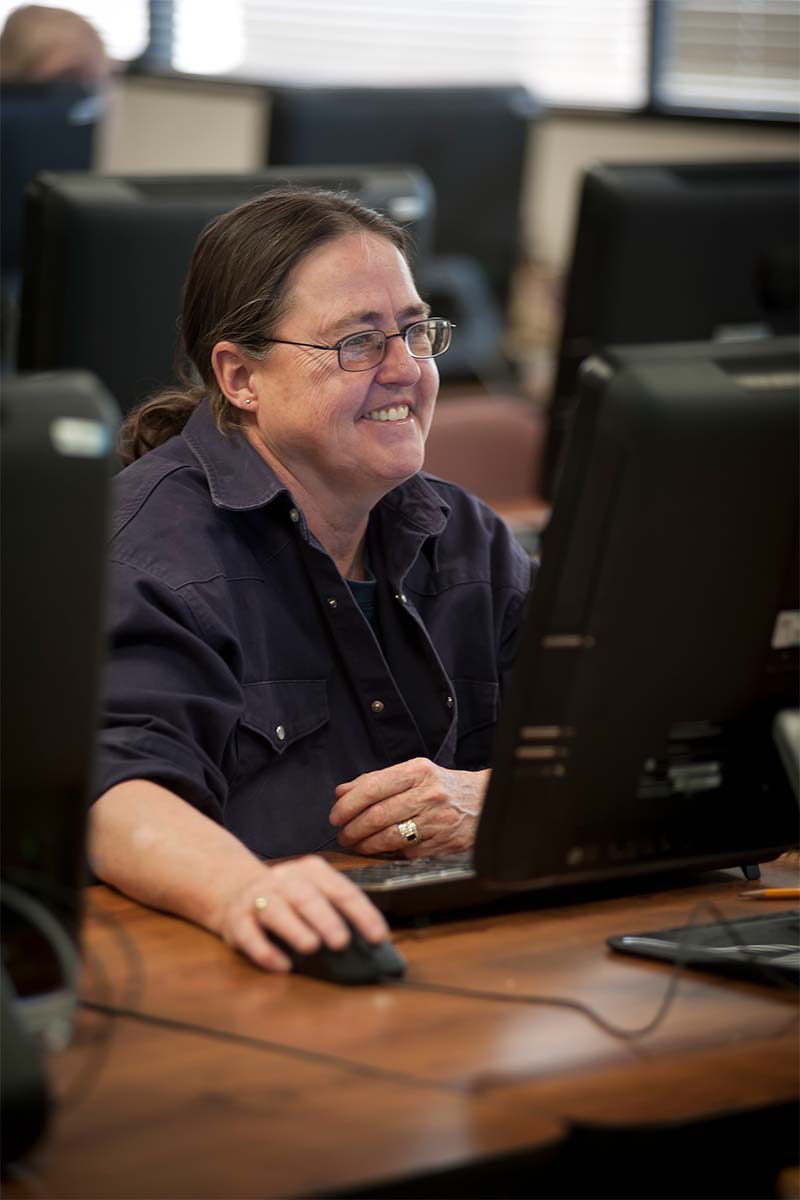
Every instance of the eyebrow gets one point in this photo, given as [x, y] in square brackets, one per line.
[370, 319]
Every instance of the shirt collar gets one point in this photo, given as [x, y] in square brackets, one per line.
[239, 479]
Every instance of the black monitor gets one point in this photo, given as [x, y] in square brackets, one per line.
[56, 454]
[106, 257]
[48, 126]
[662, 634]
[676, 252]
[472, 142]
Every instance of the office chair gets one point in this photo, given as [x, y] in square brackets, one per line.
[490, 445]
[472, 143]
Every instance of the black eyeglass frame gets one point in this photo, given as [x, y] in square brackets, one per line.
[404, 334]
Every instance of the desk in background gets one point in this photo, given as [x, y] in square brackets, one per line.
[226, 1082]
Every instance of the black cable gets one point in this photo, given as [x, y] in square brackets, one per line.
[682, 960]
[256, 1043]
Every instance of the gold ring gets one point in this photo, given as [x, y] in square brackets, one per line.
[409, 831]
[260, 903]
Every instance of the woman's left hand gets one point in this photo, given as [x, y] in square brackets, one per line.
[441, 805]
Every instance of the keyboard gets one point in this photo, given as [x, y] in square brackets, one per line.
[411, 872]
[418, 886]
[766, 948]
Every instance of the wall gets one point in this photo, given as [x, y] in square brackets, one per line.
[182, 125]
[162, 126]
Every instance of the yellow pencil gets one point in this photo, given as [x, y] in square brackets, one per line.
[779, 893]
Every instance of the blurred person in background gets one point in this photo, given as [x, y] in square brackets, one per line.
[39, 44]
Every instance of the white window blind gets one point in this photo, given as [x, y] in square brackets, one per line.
[730, 56]
[122, 24]
[568, 52]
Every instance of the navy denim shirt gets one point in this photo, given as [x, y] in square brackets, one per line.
[242, 674]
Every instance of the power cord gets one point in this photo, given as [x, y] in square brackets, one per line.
[683, 959]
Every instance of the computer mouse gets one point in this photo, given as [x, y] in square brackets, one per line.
[359, 961]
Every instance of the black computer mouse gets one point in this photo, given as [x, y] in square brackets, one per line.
[359, 961]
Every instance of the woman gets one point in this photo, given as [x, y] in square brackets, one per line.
[308, 638]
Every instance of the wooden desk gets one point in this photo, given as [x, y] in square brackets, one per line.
[308, 1088]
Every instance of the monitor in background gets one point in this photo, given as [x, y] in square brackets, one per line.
[672, 253]
[661, 637]
[43, 127]
[474, 144]
[106, 257]
[47, 126]
[56, 460]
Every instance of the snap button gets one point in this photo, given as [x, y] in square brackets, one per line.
[377, 706]
[294, 515]
[401, 596]
[280, 733]
[449, 701]
[332, 603]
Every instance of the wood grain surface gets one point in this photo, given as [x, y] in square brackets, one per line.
[224, 1081]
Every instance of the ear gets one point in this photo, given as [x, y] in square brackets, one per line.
[234, 375]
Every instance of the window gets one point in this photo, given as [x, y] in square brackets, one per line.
[567, 52]
[729, 57]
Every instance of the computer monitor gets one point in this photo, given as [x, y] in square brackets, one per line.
[106, 257]
[671, 253]
[662, 634]
[47, 126]
[56, 454]
[472, 142]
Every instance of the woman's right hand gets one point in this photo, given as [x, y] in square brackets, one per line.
[305, 901]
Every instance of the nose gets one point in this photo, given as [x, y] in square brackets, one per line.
[398, 367]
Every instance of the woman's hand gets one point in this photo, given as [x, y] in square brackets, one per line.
[443, 805]
[304, 900]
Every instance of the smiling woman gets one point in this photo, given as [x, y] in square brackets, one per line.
[309, 637]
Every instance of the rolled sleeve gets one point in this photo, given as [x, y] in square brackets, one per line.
[170, 701]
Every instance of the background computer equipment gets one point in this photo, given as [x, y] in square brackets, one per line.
[106, 257]
[47, 126]
[474, 144]
[56, 456]
[676, 252]
[661, 637]
[43, 127]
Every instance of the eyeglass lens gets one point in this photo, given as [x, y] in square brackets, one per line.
[424, 339]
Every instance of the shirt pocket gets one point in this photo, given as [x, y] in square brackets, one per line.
[282, 790]
[478, 704]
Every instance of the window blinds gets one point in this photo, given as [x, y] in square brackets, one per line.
[568, 52]
[729, 56]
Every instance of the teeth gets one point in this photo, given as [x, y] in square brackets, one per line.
[389, 414]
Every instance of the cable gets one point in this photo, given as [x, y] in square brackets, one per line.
[635, 1033]
[56, 1031]
[257, 1043]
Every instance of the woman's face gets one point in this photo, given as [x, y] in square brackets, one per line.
[317, 422]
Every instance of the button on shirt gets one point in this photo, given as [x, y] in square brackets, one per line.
[242, 673]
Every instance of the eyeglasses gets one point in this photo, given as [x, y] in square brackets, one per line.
[365, 350]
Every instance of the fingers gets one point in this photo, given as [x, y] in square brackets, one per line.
[358, 795]
[305, 902]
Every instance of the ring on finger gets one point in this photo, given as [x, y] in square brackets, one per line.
[408, 830]
[260, 903]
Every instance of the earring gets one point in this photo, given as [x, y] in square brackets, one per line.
[248, 401]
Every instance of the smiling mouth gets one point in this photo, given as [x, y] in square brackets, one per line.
[394, 412]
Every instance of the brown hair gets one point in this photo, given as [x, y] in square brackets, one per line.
[237, 290]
